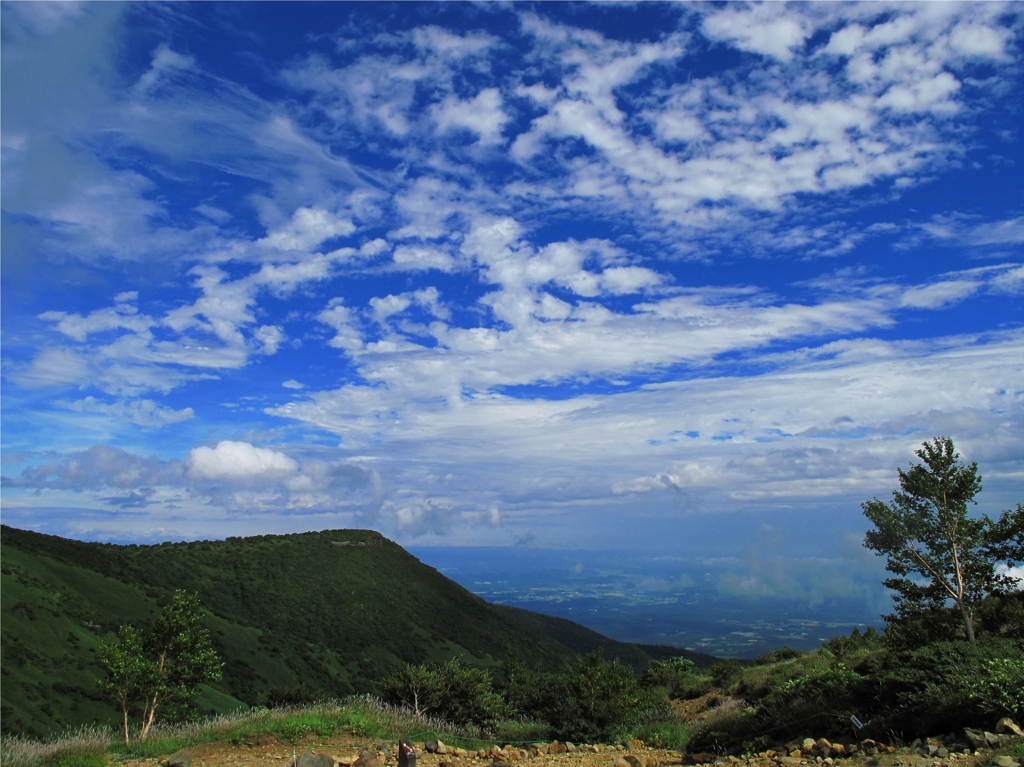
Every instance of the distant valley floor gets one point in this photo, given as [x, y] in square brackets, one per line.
[650, 601]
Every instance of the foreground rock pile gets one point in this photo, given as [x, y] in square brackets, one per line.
[943, 751]
[969, 749]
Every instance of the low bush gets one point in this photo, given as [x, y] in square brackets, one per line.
[460, 694]
[597, 701]
[949, 685]
[725, 672]
[675, 676]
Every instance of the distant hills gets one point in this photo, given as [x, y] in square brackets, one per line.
[330, 611]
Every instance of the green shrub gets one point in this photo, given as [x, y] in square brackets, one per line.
[675, 675]
[999, 690]
[949, 685]
[456, 693]
[526, 692]
[725, 672]
[597, 701]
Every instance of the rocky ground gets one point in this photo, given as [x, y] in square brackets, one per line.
[985, 749]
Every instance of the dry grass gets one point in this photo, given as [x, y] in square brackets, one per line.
[82, 747]
[364, 716]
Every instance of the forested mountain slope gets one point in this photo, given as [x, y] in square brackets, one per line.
[330, 611]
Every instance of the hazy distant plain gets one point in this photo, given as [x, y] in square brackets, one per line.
[687, 603]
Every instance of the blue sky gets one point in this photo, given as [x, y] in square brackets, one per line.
[662, 277]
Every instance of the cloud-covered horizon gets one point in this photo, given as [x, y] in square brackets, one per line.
[477, 274]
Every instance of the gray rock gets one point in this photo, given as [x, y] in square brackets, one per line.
[1005, 761]
[181, 759]
[310, 759]
[976, 738]
[1007, 726]
[991, 739]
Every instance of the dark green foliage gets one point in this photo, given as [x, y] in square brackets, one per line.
[920, 628]
[725, 672]
[1002, 616]
[941, 687]
[674, 676]
[998, 616]
[595, 700]
[524, 690]
[784, 653]
[455, 693]
[948, 685]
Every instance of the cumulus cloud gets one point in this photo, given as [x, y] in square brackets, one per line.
[238, 461]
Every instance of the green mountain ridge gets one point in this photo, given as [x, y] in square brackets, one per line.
[330, 611]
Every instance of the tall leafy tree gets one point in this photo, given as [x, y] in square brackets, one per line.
[166, 664]
[937, 550]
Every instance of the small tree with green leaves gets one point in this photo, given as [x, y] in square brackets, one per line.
[939, 552]
[166, 664]
[130, 674]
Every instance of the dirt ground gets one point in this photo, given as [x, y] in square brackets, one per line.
[266, 751]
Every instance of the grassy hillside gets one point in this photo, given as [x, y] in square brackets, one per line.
[330, 611]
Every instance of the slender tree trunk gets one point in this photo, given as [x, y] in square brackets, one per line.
[149, 717]
[968, 622]
[124, 710]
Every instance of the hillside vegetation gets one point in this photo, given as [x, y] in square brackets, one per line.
[294, 617]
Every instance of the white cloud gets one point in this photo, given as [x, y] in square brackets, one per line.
[763, 28]
[417, 257]
[308, 228]
[238, 461]
[938, 294]
[482, 115]
[143, 412]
